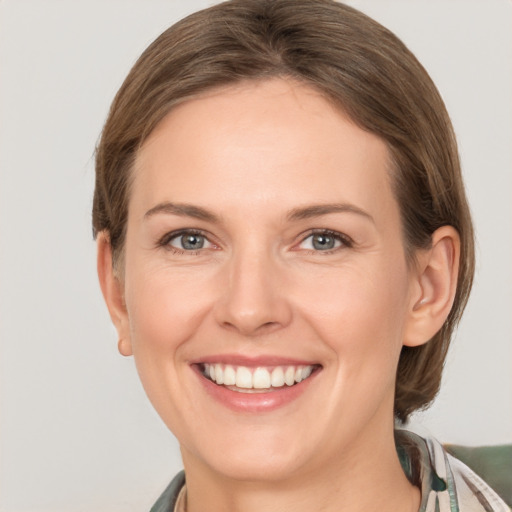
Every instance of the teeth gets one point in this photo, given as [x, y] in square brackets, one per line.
[289, 376]
[219, 374]
[261, 379]
[256, 378]
[306, 372]
[243, 377]
[229, 376]
[277, 379]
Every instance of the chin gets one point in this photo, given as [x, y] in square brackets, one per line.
[258, 457]
[261, 469]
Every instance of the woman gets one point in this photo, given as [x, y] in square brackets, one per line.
[285, 246]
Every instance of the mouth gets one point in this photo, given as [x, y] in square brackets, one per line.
[259, 379]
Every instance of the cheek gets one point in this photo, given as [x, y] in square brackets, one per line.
[360, 317]
[164, 309]
[359, 311]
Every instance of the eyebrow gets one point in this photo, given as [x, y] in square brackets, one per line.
[316, 210]
[300, 213]
[183, 210]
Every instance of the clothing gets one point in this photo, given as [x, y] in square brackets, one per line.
[447, 485]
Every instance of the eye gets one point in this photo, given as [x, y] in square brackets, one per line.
[325, 241]
[186, 241]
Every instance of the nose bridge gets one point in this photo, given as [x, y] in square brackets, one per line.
[254, 300]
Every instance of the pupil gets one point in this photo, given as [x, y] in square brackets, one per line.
[192, 241]
[323, 242]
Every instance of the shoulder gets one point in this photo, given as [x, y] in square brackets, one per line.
[447, 484]
[472, 492]
[167, 500]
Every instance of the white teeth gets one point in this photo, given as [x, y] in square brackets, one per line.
[229, 376]
[243, 377]
[306, 372]
[277, 378]
[289, 376]
[256, 378]
[219, 374]
[261, 379]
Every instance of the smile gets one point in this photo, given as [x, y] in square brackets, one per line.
[245, 379]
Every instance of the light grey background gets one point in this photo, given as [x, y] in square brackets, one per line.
[77, 433]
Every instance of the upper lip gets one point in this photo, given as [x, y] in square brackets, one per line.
[253, 361]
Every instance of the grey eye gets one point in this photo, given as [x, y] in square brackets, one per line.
[192, 241]
[189, 241]
[322, 242]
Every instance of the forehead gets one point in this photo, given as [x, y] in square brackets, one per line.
[274, 142]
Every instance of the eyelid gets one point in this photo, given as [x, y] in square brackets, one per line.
[165, 240]
[345, 240]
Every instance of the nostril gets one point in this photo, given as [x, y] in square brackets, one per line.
[267, 327]
[248, 329]
[252, 313]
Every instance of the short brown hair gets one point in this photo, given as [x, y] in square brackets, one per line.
[357, 64]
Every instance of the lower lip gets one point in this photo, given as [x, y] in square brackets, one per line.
[254, 402]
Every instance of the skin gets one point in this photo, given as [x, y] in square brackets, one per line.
[250, 154]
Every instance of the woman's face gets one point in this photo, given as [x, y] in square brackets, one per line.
[264, 247]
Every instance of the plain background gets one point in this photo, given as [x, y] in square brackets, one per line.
[77, 432]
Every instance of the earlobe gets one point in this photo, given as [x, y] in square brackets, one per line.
[434, 287]
[124, 346]
[113, 293]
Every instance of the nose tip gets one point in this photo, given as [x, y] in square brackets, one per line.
[253, 312]
[254, 301]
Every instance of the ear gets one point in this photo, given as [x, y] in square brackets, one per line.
[433, 287]
[113, 293]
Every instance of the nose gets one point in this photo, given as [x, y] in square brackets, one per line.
[254, 300]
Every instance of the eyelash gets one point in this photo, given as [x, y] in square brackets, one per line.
[166, 239]
[346, 241]
[164, 242]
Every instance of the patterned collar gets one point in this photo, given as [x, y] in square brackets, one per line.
[447, 485]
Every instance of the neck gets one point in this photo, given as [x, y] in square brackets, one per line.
[352, 482]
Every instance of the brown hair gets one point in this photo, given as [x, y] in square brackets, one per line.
[356, 63]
